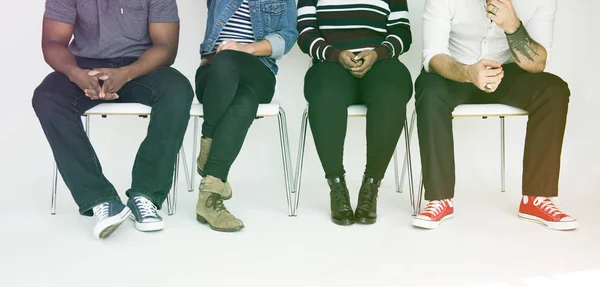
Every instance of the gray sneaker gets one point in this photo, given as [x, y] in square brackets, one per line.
[109, 216]
[145, 215]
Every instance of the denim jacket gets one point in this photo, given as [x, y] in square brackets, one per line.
[272, 20]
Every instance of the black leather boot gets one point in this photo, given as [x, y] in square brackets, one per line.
[341, 210]
[366, 210]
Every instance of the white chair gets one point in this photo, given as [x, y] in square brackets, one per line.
[476, 110]
[124, 109]
[264, 110]
[353, 111]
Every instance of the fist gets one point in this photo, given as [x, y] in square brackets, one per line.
[486, 75]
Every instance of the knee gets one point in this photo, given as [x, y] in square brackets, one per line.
[176, 89]
[557, 87]
[43, 102]
[326, 95]
[430, 92]
[326, 81]
[225, 63]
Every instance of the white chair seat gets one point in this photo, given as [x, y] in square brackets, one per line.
[357, 111]
[123, 109]
[264, 110]
[487, 110]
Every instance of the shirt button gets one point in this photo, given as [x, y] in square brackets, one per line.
[253, 10]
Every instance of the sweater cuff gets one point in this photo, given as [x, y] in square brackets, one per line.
[383, 52]
[333, 55]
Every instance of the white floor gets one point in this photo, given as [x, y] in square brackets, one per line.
[485, 245]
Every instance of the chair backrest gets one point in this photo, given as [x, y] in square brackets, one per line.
[487, 110]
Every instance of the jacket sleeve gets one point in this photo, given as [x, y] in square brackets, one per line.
[284, 37]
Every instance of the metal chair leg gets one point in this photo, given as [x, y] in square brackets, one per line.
[186, 169]
[169, 201]
[417, 208]
[502, 156]
[87, 126]
[407, 133]
[300, 159]
[54, 184]
[396, 175]
[175, 184]
[409, 163]
[286, 158]
[172, 201]
[194, 154]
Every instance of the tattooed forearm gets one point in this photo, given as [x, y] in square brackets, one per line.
[521, 44]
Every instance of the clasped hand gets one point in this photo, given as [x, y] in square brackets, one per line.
[360, 64]
[102, 83]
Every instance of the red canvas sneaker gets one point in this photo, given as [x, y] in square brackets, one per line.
[543, 211]
[436, 212]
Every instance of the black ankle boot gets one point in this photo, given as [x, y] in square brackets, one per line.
[366, 210]
[341, 210]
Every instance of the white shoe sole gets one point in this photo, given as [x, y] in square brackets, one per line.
[108, 226]
[148, 226]
[429, 224]
[562, 225]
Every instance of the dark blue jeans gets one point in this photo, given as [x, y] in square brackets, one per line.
[231, 88]
[59, 105]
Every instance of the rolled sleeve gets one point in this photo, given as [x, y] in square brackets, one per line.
[61, 10]
[163, 11]
[541, 25]
[437, 21]
[277, 45]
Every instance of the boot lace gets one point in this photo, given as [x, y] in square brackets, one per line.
[366, 196]
[215, 201]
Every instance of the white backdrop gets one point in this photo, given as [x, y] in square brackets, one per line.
[26, 161]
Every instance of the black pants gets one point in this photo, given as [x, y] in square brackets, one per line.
[59, 104]
[330, 90]
[544, 96]
[231, 88]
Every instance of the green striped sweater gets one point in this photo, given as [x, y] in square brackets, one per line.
[328, 27]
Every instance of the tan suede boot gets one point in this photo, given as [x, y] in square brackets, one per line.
[210, 208]
[205, 144]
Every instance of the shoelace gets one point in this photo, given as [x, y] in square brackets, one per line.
[435, 207]
[101, 211]
[341, 197]
[547, 206]
[366, 198]
[145, 207]
[215, 201]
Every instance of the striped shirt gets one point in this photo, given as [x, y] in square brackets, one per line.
[239, 27]
[328, 27]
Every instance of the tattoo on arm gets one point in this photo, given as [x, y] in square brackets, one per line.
[520, 42]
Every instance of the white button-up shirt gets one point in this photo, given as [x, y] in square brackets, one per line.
[461, 29]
